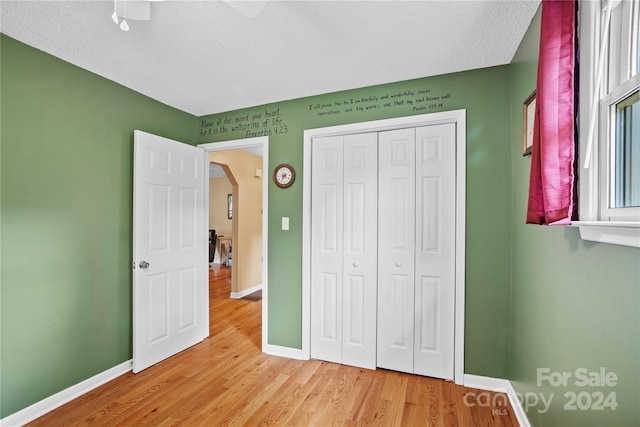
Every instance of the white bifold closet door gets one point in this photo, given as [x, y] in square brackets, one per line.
[416, 252]
[344, 249]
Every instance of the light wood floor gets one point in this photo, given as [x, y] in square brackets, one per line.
[226, 380]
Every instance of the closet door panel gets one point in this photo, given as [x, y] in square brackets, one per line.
[360, 250]
[396, 231]
[427, 304]
[435, 250]
[327, 249]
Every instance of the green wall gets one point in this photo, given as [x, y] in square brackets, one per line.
[575, 304]
[485, 95]
[66, 205]
[536, 297]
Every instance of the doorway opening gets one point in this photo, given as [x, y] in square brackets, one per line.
[246, 219]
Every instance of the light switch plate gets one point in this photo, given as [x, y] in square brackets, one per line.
[285, 223]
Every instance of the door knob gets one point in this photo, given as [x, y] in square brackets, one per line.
[398, 264]
[144, 265]
[355, 264]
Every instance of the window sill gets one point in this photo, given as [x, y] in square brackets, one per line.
[613, 232]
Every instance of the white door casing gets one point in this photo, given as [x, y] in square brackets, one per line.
[170, 296]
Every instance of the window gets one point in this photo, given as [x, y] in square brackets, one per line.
[626, 186]
[609, 177]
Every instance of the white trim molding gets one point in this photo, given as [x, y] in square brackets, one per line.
[613, 232]
[52, 402]
[499, 385]
[288, 352]
[242, 294]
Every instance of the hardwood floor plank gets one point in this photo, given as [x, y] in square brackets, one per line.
[314, 401]
[413, 412]
[369, 405]
[284, 400]
[227, 380]
[342, 397]
[394, 391]
[360, 392]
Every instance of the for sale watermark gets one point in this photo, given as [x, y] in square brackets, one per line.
[586, 399]
[590, 390]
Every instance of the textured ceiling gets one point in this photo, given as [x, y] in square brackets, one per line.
[205, 57]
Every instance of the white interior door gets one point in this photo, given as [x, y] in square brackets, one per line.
[396, 237]
[344, 249]
[360, 242]
[416, 283]
[326, 249]
[170, 293]
[435, 250]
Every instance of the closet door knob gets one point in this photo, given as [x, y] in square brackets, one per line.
[356, 265]
[398, 264]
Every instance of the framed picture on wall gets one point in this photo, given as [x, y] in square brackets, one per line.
[229, 206]
[528, 117]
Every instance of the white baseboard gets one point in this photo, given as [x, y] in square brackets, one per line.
[486, 383]
[503, 386]
[288, 352]
[50, 403]
[238, 295]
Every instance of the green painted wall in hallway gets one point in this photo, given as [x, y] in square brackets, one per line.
[485, 95]
[66, 204]
[575, 304]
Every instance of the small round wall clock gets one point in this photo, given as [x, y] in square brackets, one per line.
[284, 175]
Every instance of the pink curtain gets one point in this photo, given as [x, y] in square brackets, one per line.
[551, 184]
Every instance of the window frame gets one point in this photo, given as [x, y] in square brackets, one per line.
[598, 222]
[608, 147]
